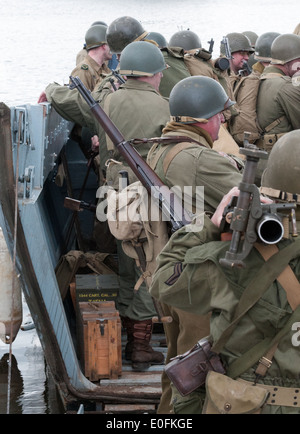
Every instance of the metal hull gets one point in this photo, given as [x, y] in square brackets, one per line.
[39, 245]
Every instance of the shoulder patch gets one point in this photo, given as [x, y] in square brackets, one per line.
[178, 267]
[84, 66]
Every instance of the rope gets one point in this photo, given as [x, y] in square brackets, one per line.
[14, 267]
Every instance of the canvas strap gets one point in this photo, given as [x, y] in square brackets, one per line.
[291, 285]
[271, 270]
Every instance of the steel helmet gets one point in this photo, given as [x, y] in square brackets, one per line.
[95, 36]
[122, 31]
[285, 48]
[238, 42]
[263, 46]
[158, 38]
[198, 97]
[95, 23]
[283, 165]
[252, 36]
[185, 39]
[141, 58]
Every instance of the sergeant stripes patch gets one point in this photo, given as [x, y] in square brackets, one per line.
[178, 267]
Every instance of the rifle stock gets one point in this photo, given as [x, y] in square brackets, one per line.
[168, 202]
[78, 205]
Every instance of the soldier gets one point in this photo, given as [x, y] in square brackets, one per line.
[139, 111]
[158, 38]
[196, 106]
[90, 69]
[255, 353]
[199, 61]
[196, 58]
[71, 106]
[82, 53]
[122, 31]
[278, 108]
[246, 91]
[240, 48]
[263, 51]
[252, 36]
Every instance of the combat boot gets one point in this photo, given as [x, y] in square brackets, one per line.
[143, 356]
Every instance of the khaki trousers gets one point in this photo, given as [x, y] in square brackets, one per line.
[182, 334]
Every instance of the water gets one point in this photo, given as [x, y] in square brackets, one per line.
[39, 44]
[32, 386]
[40, 39]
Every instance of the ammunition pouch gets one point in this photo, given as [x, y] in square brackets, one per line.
[227, 396]
[189, 370]
[267, 141]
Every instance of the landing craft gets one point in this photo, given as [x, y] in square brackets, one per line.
[35, 143]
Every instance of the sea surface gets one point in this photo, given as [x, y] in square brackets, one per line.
[39, 43]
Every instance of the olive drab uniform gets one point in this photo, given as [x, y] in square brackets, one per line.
[218, 175]
[201, 285]
[199, 62]
[151, 113]
[278, 106]
[148, 112]
[89, 72]
[138, 111]
[174, 58]
[81, 55]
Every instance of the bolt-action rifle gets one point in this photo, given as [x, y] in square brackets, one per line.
[249, 219]
[168, 202]
[211, 45]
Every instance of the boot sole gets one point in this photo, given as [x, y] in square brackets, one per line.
[143, 366]
[140, 366]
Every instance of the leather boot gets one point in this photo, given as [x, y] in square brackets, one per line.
[127, 324]
[142, 354]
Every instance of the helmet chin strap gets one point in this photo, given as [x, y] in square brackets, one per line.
[188, 119]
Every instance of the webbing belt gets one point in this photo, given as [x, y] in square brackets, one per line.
[281, 396]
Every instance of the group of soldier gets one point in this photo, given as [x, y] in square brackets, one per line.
[176, 90]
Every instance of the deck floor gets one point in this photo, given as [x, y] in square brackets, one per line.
[145, 384]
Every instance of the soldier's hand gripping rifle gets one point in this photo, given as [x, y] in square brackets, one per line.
[249, 219]
[168, 202]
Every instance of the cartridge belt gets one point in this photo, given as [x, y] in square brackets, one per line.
[281, 396]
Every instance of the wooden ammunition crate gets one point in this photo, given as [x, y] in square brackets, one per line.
[99, 334]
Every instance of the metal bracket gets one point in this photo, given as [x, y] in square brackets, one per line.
[24, 133]
[28, 180]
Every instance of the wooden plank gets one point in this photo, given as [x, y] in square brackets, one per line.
[114, 349]
[91, 362]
